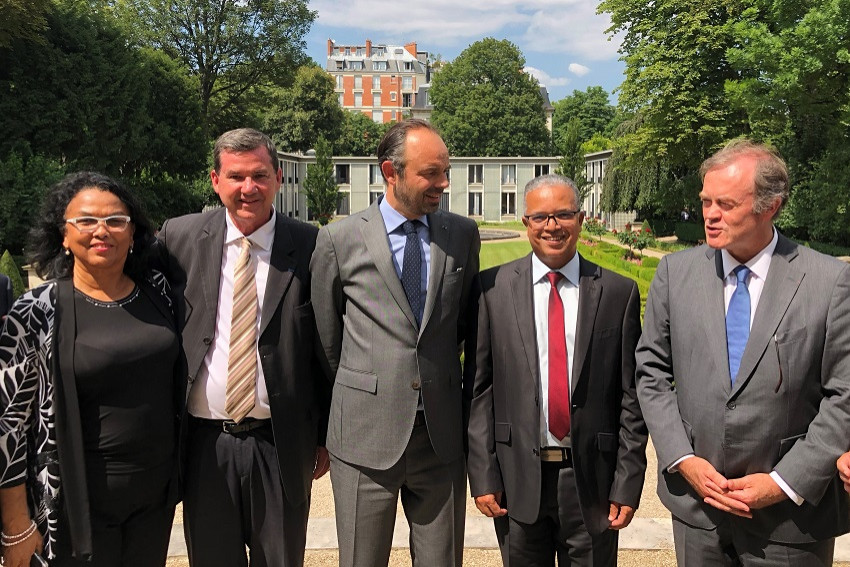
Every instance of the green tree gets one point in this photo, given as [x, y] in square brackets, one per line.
[306, 111]
[591, 108]
[486, 105]
[320, 186]
[22, 19]
[8, 267]
[359, 135]
[234, 47]
[572, 162]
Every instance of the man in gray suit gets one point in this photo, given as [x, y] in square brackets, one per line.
[744, 378]
[556, 337]
[391, 288]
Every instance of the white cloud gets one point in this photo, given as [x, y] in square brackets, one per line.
[546, 26]
[578, 69]
[545, 79]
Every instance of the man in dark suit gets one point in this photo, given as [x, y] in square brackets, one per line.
[256, 402]
[391, 288]
[556, 438]
[5, 295]
[744, 378]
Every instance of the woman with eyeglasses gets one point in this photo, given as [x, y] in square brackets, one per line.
[89, 383]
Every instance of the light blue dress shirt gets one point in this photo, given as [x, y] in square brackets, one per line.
[397, 239]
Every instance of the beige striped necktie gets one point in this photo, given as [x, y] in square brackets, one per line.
[242, 362]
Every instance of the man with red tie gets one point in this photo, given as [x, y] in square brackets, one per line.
[556, 436]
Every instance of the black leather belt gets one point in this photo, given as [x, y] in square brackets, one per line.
[231, 427]
[556, 455]
[419, 420]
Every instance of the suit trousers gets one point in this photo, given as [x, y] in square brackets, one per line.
[432, 495]
[559, 530]
[728, 545]
[233, 497]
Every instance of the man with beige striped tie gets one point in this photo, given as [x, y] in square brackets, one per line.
[257, 401]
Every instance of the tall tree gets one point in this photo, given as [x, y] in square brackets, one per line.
[572, 162]
[306, 111]
[320, 186]
[235, 47]
[590, 107]
[22, 19]
[486, 105]
[359, 136]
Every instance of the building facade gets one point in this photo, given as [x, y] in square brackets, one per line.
[379, 80]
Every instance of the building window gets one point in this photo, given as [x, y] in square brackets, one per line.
[476, 173]
[378, 116]
[444, 202]
[343, 174]
[339, 81]
[376, 82]
[375, 177]
[340, 95]
[508, 175]
[355, 65]
[394, 114]
[407, 83]
[406, 100]
[541, 169]
[380, 65]
[361, 52]
[374, 196]
[408, 65]
[509, 203]
[476, 199]
[392, 96]
[343, 207]
[378, 51]
[358, 100]
[358, 82]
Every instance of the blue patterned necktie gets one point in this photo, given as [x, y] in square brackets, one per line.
[411, 269]
[738, 321]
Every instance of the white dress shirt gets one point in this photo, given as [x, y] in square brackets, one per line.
[206, 397]
[569, 292]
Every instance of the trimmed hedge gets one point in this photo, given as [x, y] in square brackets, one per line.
[690, 232]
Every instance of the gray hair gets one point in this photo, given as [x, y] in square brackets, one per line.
[243, 140]
[391, 147]
[547, 180]
[770, 177]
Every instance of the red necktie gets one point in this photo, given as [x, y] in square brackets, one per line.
[559, 385]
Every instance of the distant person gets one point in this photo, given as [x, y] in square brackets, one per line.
[391, 289]
[556, 438]
[744, 378]
[257, 401]
[89, 380]
[5, 296]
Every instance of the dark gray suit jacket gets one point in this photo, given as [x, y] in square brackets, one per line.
[607, 431]
[5, 295]
[789, 410]
[297, 389]
[378, 358]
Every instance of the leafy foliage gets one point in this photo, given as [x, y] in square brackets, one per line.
[595, 227]
[360, 135]
[486, 105]
[8, 267]
[320, 186]
[592, 110]
[572, 164]
[22, 19]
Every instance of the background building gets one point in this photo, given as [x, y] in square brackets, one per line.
[380, 81]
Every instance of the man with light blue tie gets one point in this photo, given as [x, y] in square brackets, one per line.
[743, 375]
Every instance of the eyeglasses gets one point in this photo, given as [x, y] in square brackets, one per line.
[540, 219]
[87, 225]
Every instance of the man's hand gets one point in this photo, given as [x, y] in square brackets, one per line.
[844, 470]
[620, 516]
[488, 504]
[712, 486]
[755, 490]
[323, 463]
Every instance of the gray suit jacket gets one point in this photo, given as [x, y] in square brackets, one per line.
[789, 410]
[377, 357]
[5, 295]
[607, 431]
[298, 393]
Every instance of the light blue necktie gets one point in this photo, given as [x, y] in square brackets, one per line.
[738, 321]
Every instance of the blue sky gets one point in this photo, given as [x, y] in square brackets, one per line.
[563, 41]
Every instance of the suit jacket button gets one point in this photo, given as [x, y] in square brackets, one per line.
[207, 341]
[731, 405]
[415, 384]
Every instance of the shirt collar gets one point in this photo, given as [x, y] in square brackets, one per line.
[570, 270]
[758, 264]
[262, 237]
[394, 219]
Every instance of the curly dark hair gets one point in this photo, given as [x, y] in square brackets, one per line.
[45, 250]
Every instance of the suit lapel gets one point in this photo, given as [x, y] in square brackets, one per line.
[590, 290]
[281, 269]
[374, 233]
[211, 247]
[439, 231]
[709, 283]
[780, 287]
[522, 289]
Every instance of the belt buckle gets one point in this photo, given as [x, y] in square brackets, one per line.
[230, 427]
